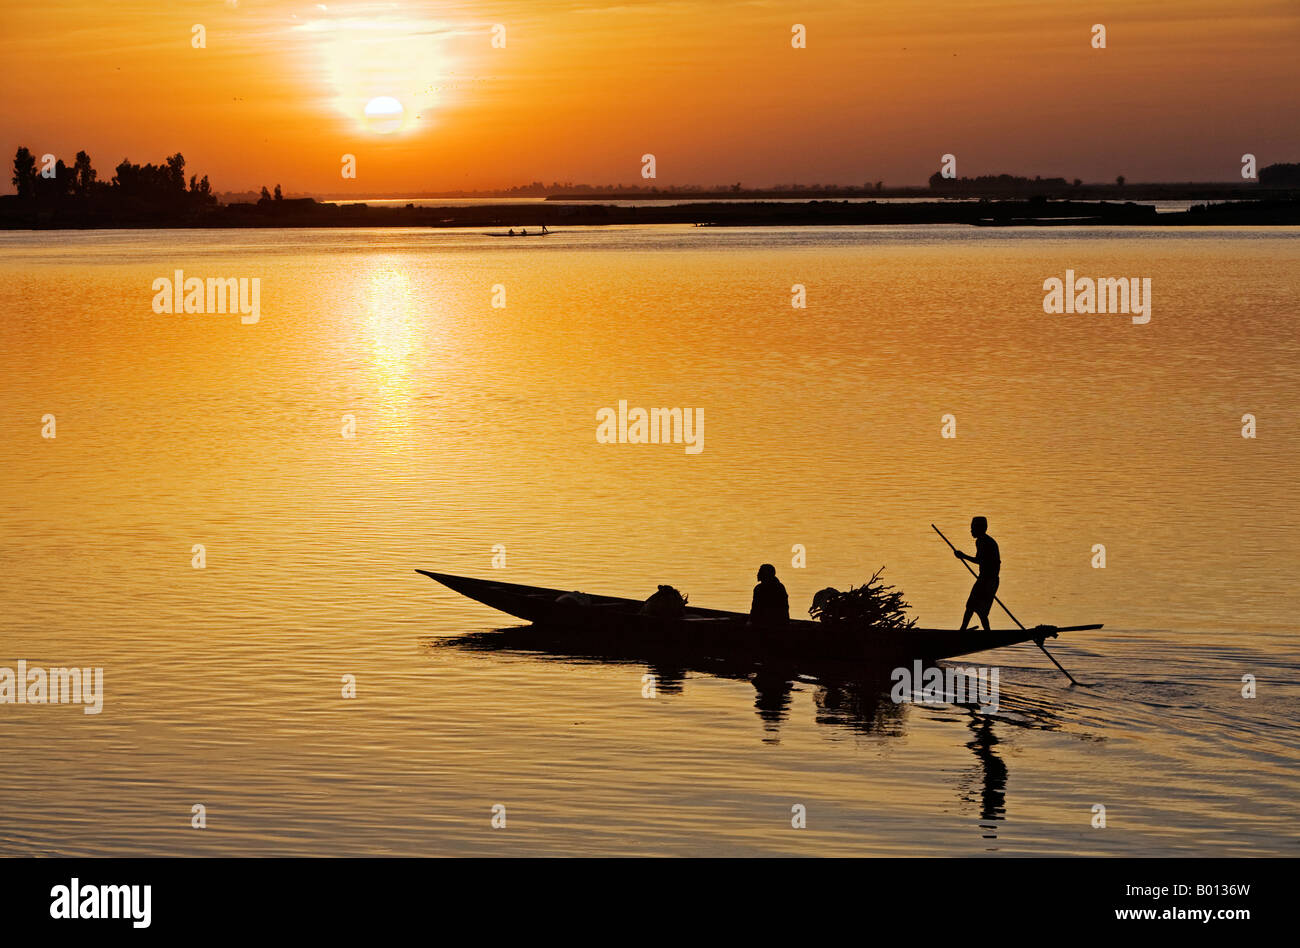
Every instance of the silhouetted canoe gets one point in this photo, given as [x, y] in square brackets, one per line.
[604, 621]
[505, 234]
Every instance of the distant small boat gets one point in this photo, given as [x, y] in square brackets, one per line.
[598, 622]
[1038, 221]
[507, 234]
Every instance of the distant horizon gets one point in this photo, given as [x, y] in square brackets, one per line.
[684, 189]
[538, 188]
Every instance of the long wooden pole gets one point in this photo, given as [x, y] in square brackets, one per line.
[1037, 642]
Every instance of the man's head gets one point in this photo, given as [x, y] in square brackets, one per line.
[978, 526]
[765, 572]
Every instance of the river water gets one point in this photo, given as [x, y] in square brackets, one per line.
[475, 429]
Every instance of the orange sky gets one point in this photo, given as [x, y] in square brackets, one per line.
[713, 89]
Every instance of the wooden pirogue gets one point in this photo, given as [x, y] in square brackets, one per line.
[601, 622]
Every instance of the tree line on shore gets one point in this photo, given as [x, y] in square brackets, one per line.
[164, 185]
[47, 182]
[49, 188]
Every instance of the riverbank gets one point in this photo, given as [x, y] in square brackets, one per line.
[16, 214]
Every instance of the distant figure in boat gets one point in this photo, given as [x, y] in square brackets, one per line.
[771, 605]
[544, 230]
[989, 560]
[512, 232]
[524, 232]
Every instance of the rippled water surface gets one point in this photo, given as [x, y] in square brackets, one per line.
[475, 426]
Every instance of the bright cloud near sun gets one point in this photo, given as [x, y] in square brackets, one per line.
[384, 73]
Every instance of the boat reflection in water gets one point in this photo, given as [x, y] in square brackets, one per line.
[859, 701]
[993, 771]
[773, 691]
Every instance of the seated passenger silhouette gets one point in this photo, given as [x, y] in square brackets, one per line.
[771, 605]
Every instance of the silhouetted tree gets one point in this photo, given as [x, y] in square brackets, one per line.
[158, 186]
[279, 195]
[83, 175]
[50, 190]
[1120, 181]
[200, 190]
[176, 171]
[266, 196]
[24, 179]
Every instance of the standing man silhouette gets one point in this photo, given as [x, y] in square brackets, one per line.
[989, 560]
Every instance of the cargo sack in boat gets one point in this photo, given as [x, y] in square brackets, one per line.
[572, 601]
[666, 603]
[821, 606]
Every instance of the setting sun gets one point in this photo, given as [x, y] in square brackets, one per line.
[384, 114]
